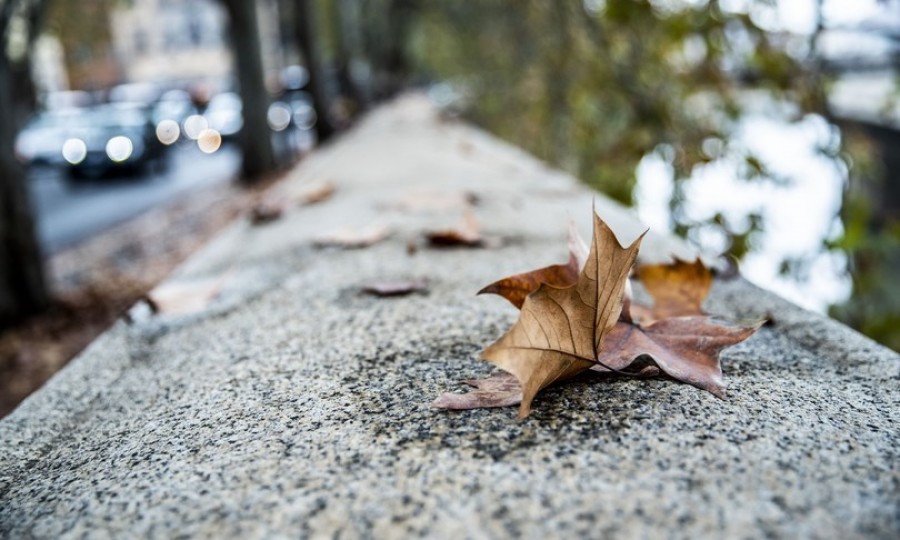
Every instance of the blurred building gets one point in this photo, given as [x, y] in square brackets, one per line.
[183, 41]
[48, 68]
[171, 40]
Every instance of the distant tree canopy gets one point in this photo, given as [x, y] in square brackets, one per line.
[596, 86]
[83, 28]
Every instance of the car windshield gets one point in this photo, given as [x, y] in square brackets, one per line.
[51, 119]
[114, 116]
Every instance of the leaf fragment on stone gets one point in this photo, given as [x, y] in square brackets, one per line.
[501, 389]
[396, 288]
[559, 330]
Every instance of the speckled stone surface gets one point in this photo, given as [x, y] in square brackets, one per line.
[294, 407]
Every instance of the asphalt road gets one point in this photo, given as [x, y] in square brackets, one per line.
[69, 211]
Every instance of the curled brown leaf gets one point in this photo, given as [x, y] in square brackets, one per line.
[516, 288]
[685, 348]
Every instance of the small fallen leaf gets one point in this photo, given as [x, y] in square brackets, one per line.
[315, 193]
[349, 238]
[185, 297]
[466, 234]
[396, 288]
[516, 288]
[273, 204]
[678, 289]
[266, 211]
[559, 330]
[501, 389]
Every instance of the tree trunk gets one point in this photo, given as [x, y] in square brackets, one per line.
[304, 29]
[341, 18]
[23, 290]
[390, 59]
[255, 137]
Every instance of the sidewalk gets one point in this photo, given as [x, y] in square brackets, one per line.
[292, 406]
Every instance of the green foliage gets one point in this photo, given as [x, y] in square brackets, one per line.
[595, 91]
[872, 240]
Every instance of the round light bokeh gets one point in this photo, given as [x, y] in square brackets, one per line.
[119, 148]
[304, 116]
[209, 140]
[167, 131]
[74, 151]
[194, 125]
[279, 116]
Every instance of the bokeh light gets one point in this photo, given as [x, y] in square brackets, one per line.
[167, 131]
[74, 151]
[279, 116]
[194, 125]
[304, 116]
[119, 148]
[209, 140]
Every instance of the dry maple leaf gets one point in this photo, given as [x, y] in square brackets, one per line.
[685, 348]
[516, 288]
[674, 333]
[560, 330]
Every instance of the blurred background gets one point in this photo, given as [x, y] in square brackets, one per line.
[766, 131]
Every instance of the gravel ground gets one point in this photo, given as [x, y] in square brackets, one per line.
[95, 282]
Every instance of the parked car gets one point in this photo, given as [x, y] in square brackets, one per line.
[40, 142]
[112, 137]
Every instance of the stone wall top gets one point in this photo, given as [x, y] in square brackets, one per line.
[292, 406]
